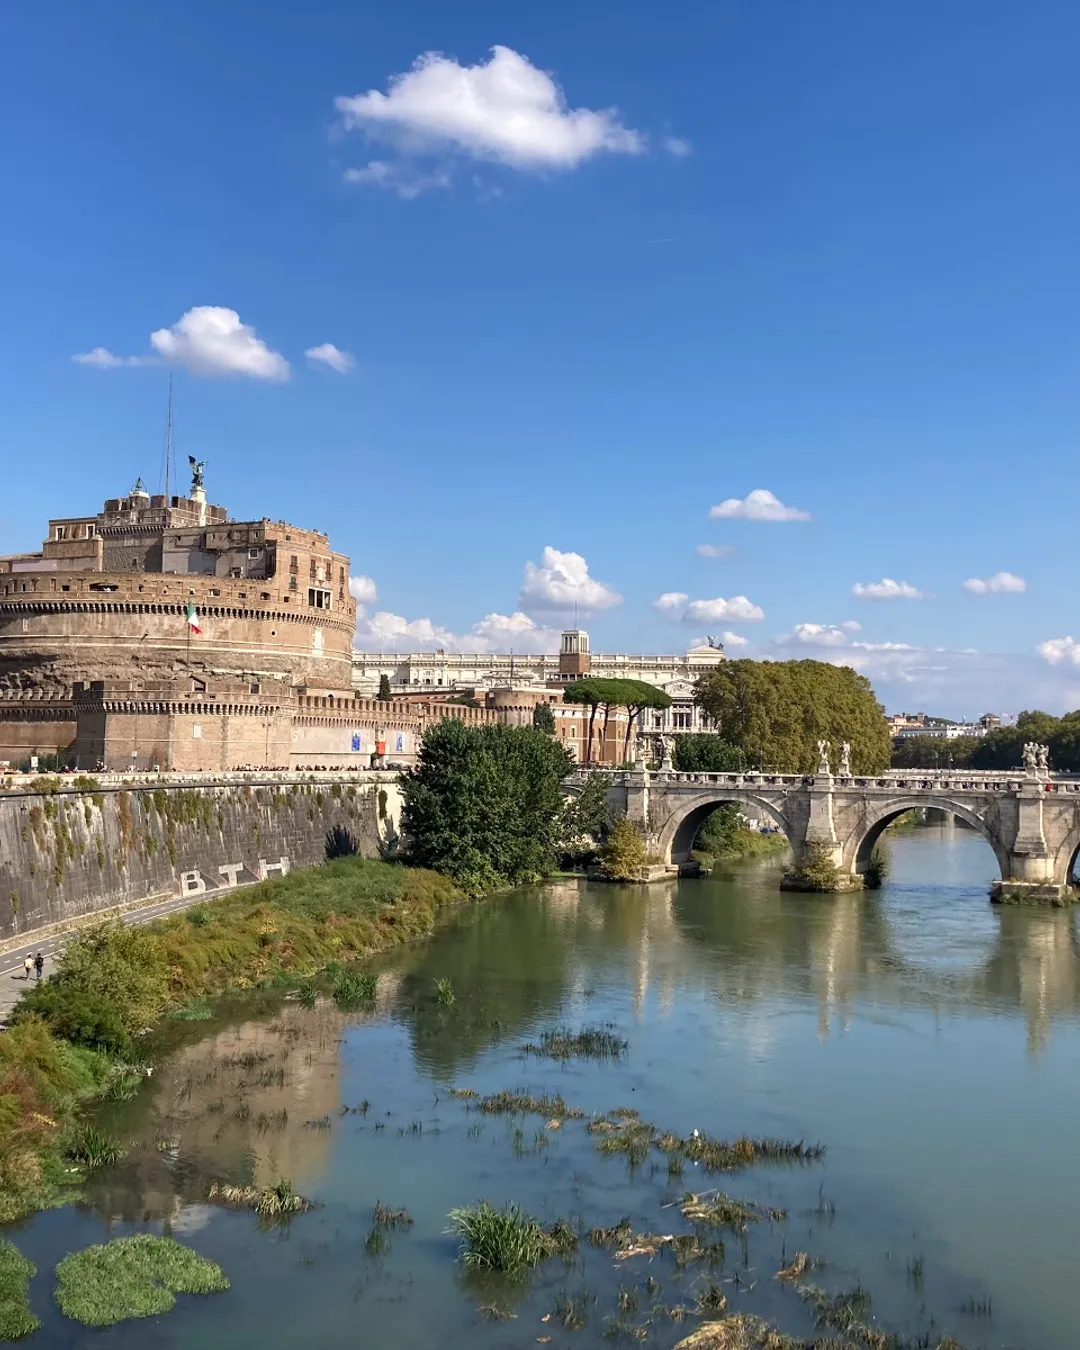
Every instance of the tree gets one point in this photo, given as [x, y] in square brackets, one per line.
[633, 695]
[384, 695]
[543, 719]
[484, 804]
[586, 815]
[775, 712]
[624, 855]
[705, 752]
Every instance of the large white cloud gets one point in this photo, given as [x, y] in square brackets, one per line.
[1001, 583]
[329, 355]
[386, 631]
[207, 340]
[760, 504]
[886, 589]
[1060, 651]
[562, 581]
[503, 110]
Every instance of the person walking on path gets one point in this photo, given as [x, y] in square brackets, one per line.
[39, 966]
[27, 965]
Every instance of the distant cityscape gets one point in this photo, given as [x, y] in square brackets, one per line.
[904, 726]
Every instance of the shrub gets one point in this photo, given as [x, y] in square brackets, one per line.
[623, 854]
[877, 871]
[16, 1319]
[819, 871]
[132, 1277]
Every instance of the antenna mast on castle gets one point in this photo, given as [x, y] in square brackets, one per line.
[168, 440]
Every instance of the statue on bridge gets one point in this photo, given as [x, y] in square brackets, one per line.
[1042, 758]
[666, 747]
[844, 769]
[823, 758]
[641, 751]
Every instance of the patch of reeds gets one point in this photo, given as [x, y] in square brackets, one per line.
[507, 1239]
[572, 1310]
[507, 1103]
[197, 1009]
[685, 1247]
[722, 1155]
[354, 989]
[92, 1147]
[444, 992]
[307, 994]
[137, 1276]
[16, 1272]
[713, 1209]
[802, 1264]
[384, 1216]
[588, 1043]
[270, 1202]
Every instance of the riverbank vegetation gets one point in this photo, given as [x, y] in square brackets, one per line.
[775, 712]
[725, 834]
[16, 1272]
[129, 1277]
[74, 1036]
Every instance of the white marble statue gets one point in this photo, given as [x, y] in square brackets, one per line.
[1042, 757]
[823, 757]
[845, 760]
[1031, 756]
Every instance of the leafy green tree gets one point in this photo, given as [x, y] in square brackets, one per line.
[484, 804]
[705, 752]
[623, 854]
[586, 814]
[777, 711]
[633, 695]
[111, 982]
[543, 719]
[384, 695]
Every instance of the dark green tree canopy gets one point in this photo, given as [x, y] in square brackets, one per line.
[1002, 749]
[705, 752]
[934, 752]
[775, 712]
[484, 804]
[384, 694]
[633, 695]
[543, 719]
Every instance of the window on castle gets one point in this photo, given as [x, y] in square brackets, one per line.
[318, 599]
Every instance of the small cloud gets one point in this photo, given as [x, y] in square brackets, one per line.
[407, 182]
[760, 504]
[211, 340]
[815, 635]
[738, 608]
[103, 359]
[852, 625]
[730, 639]
[363, 590]
[671, 602]
[1060, 651]
[714, 550]
[331, 356]
[676, 145]
[886, 589]
[1001, 583]
[562, 581]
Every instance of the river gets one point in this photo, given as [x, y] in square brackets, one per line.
[929, 1041]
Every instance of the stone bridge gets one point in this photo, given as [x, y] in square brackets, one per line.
[1030, 818]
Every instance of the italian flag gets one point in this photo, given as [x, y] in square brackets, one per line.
[192, 618]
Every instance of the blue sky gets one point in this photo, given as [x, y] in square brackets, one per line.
[640, 261]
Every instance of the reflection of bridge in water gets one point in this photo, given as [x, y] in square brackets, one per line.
[1031, 819]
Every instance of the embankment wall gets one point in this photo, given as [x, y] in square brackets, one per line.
[83, 848]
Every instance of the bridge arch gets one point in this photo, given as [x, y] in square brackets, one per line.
[676, 835]
[860, 843]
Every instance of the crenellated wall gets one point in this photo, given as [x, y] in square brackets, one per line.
[88, 847]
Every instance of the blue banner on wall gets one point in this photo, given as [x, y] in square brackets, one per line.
[356, 743]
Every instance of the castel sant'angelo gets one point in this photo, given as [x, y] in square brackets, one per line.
[162, 634]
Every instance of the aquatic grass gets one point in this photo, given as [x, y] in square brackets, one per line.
[269, 1202]
[130, 1277]
[507, 1239]
[385, 1217]
[722, 1155]
[92, 1147]
[589, 1043]
[802, 1263]
[571, 1311]
[197, 1009]
[713, 1209]
[551, 1106]
[307, 994]
[355, 989]
[444, 992]
[16, 1272]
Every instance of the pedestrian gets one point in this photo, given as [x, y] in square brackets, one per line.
[39, 965]
[27, 965]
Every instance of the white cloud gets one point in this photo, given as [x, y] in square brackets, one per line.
[886, 589]
[331, 356]
[676, 145]
[671, 602]
[852, 625]
[362, 590]
[211, 340]
[104, 359]
[408, 182]
[760, 504]
[386, 631]
[714, 550]
[1001, 583]
[504, 110]
[738, 608]
[562, 581]
[815, 635]
[1060, 651]
[730, 639]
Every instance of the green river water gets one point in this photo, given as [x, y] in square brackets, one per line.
[928, 1040]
